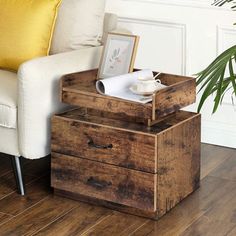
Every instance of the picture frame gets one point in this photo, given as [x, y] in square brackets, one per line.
[118, 55]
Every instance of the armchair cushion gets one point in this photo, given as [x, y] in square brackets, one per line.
[79, 25]
[8, 99]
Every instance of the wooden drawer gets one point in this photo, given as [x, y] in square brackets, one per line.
[79, 89]
[146, 171]
[102, 181]
[107, 144]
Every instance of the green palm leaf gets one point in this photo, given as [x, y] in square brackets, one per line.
[232, 75]
[223, 58]
[214, 80]
[220, 90]
[222, 2]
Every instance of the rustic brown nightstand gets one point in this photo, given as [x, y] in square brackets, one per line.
[135, 158]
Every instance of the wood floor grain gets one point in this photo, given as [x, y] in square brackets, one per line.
[218, 220]
[14, 204]
[4, 218]
[117, 224]
[210, 211]
[77, 221]
[212, 157]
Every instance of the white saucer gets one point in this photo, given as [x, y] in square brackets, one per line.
[134, 90]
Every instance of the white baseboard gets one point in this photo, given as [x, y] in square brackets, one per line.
[218, 134]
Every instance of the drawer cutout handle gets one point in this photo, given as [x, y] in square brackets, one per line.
[99, 184]
[93, 145]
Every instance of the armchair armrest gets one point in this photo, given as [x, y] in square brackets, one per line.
[38, 94]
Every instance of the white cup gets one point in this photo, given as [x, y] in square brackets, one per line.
[146, 86]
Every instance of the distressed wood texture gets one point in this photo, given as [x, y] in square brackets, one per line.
[79, 89]
[107, 204]
[107, 182]
[106, 144]
[175, 96]
[123, 165]
[178, 163]
[97, 136]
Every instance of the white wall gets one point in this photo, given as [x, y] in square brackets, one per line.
[183, 37]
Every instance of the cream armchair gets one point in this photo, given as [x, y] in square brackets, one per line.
[29, 98]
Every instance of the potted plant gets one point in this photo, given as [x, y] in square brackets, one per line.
[220, 76]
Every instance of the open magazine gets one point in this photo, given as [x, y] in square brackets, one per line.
[119, 86]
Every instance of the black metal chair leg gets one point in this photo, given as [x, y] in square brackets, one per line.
[16, 164]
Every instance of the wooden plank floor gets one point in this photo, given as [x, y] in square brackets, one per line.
[211, 210]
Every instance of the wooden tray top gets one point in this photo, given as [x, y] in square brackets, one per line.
[79, 89]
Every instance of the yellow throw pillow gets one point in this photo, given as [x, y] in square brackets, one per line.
[26, 28]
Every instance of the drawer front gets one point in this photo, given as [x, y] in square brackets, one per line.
[105, 144]
[103, 181]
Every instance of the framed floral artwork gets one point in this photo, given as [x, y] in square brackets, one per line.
[118, 55]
